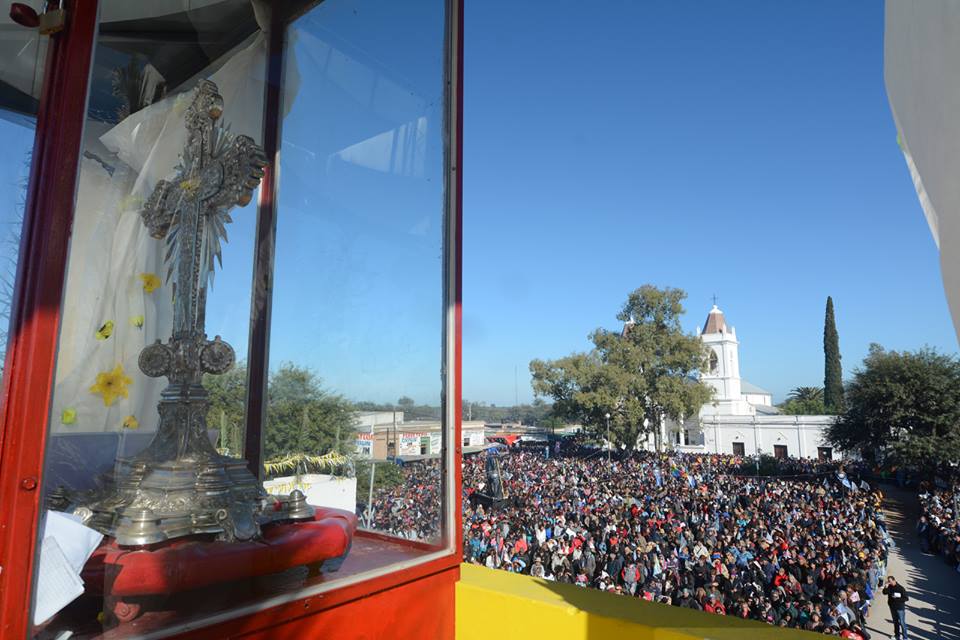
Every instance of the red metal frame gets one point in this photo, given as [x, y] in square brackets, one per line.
[456, 32]
[34, 329]
[35, 317]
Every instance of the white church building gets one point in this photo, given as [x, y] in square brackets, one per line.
[741, 418]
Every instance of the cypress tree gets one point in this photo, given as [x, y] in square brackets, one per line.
[832, 372]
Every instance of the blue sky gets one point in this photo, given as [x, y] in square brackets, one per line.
[743, 149]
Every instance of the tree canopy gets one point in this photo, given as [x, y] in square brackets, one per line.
[302, 417]
[904, 407]
[832, 370]
[641, 375]
[804, 401]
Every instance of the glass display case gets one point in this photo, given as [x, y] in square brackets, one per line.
[243, 278]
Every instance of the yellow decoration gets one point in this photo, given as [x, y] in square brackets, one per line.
[69, 416]
[190, 185]
[130, 422]
[137, 321]
[130, 202]
[105, 331]
[111, 385]
[151, 282]
[181, 103]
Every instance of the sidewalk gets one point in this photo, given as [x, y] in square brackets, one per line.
[933, 612]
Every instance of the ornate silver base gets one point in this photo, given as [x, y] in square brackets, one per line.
[144, 504]
[179, 485]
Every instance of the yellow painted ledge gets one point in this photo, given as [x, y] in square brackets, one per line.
[496, 605]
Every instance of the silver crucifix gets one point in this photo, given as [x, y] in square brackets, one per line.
[180, 485]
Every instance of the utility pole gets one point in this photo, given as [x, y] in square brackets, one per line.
[609, 442]
[225, 439]
[396, 445]
[373, 467]
[516, 393]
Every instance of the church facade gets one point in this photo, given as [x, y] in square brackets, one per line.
[741, 418]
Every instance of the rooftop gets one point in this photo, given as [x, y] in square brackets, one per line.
[715, 321]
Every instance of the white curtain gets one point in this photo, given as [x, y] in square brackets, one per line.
[113, 259]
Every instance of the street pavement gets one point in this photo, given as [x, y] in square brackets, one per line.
[933, 612]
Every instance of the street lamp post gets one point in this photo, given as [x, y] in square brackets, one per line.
[609, 442]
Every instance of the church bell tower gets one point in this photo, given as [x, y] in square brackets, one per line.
[723, 368]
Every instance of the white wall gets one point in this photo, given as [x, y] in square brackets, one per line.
[763, 399]
[802, 435]
[322, 490]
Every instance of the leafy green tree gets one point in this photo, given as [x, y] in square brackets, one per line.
[641, 375]
[832, 370]
[903, 406]
[302, 417]
[228, 397]
[804, 401]
[806, 394]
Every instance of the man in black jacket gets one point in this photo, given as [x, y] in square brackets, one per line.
[897, 600]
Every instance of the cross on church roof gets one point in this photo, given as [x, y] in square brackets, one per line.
[714, 299]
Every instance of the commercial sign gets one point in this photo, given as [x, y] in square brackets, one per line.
[365, 444]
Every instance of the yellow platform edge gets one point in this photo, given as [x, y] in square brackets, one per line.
[497, 605]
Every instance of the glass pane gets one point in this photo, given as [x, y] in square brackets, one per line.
[358, 299]
[21, 77]
[152, 514]
[157, 290]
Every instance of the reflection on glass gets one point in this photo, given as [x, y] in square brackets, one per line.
[21, 77]
[130, 463]
[147, 410]
[357, 300]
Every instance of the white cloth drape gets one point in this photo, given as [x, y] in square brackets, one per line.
[111, 248]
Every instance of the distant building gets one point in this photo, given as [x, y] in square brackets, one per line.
[741, 418]
[385, 434]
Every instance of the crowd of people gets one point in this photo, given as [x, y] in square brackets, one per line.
[805, 551]
[939, 523]
[411, 508]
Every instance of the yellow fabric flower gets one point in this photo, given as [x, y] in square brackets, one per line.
[181, 102]
[69, 416]
[105, 331]
[130, 202]
[130, 422]
[136, 321]
[190, 186]
[151, 282]
[111, 385]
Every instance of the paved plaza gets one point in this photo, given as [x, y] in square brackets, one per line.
[933, 612]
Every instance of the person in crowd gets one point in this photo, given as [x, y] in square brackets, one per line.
[897, 599]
